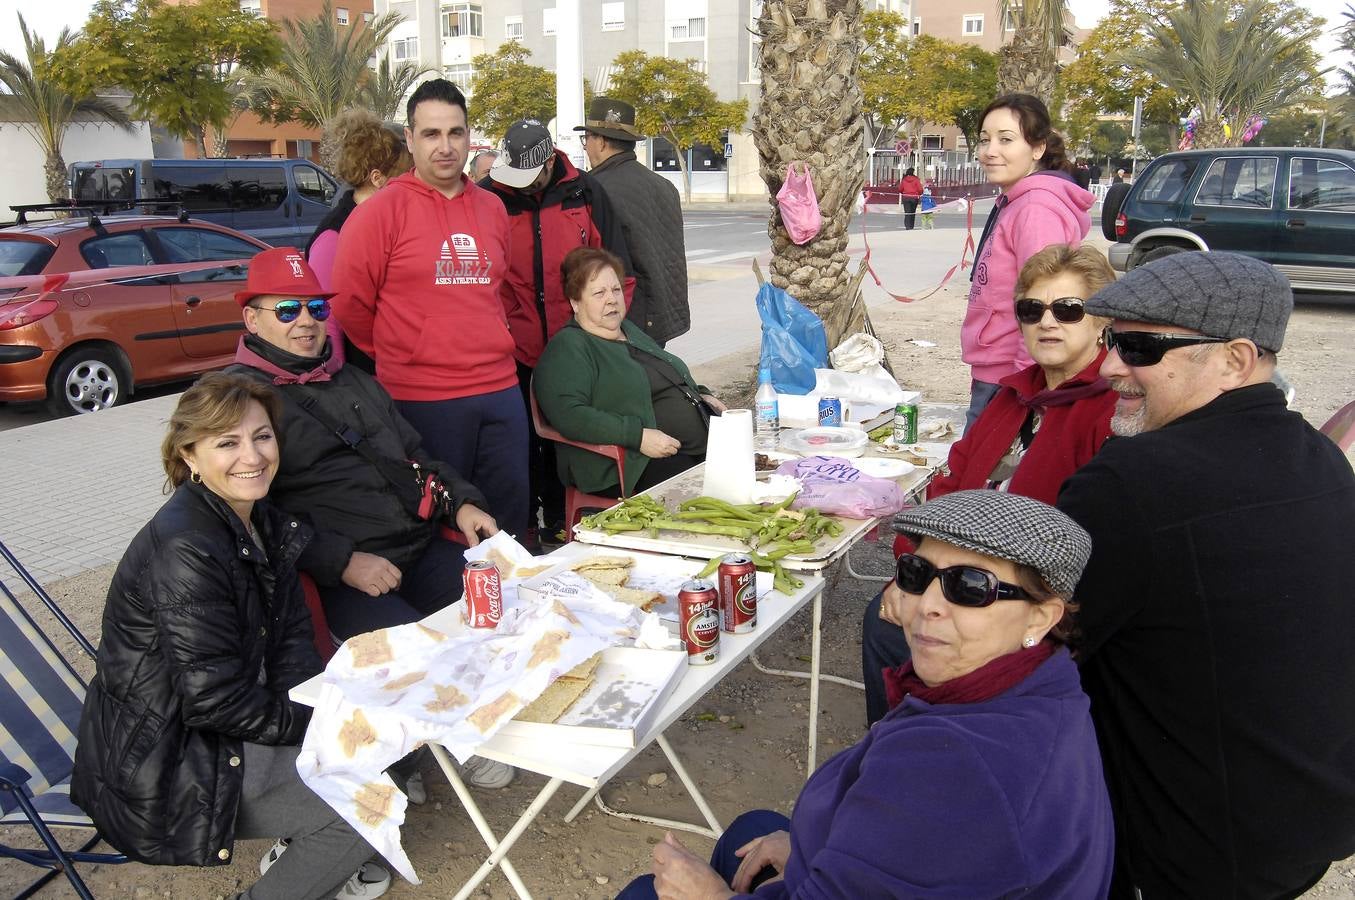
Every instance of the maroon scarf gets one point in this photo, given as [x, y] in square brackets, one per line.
[252, 348]
[984, 683]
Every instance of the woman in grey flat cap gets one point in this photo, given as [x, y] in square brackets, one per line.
[984, 779]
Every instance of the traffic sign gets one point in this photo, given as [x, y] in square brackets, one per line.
[729, 150]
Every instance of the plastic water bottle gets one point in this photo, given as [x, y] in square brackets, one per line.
[767, 418]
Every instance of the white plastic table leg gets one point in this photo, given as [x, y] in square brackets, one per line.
[690, 785]
[817, 634]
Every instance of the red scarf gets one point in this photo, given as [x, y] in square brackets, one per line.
[984, 683]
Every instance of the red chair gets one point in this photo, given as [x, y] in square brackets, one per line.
[576, 501]
[1341, 427]
[324, 641]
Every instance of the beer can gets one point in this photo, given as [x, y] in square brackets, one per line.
[830, 412]
[484, 594]
[738, 593]
[699, 616]
[905, 419]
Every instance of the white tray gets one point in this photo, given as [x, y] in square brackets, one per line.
[628, 689]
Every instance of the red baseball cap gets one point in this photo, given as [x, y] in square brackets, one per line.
[284, 271]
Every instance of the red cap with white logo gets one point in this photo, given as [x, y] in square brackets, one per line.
[282, 271]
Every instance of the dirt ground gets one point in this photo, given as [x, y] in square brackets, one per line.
[745, 741]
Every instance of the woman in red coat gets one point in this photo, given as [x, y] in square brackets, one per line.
[910, 191]
[1045, 422]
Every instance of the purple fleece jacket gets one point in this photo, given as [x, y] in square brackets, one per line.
[1041, 209]
[996, 799]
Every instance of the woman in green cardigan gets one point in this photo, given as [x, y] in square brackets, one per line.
[602, 380]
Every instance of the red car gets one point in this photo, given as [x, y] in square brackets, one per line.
[87, 347]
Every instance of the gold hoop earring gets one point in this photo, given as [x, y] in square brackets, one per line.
[194, 477]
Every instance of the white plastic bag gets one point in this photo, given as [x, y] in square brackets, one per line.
[859, 353]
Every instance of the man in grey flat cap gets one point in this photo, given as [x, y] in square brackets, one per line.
[651, 217]
[1216, 610]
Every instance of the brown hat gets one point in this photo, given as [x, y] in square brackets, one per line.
[612, 119]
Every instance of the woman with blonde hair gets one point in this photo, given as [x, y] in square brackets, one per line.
[371, 153]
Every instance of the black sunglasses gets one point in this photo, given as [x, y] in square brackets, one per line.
[1068, 310]
[961, 585]
[290, 310]
[1146, 348]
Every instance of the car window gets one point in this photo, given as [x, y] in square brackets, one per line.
[1321, 184]
[261, 187]
[197, 244]
[312, 185]
[1243, 181]
[23, 257]
[198, 188]
[1167, 182]
[105, 184]
[125, 249]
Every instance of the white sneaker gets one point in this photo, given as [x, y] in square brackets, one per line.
[415, 792]
[488, 774]
[369, 882]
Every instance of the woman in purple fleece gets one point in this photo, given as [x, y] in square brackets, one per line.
[984, 779]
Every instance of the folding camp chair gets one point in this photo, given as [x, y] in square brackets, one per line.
[40, 700]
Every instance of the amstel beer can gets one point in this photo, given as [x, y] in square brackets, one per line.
[699, 616]
[830, 412]
[738, 593]
[484, 594]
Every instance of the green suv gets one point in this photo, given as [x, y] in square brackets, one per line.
[1293, 207]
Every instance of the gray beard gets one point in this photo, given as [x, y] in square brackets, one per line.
[1129, 424]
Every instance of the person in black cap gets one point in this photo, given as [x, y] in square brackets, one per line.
[1216, 609]
[552, 209]
[983, 780]
[650, 211]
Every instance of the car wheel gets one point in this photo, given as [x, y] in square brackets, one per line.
[1160, 252]
[86, 380]
[1110, 208]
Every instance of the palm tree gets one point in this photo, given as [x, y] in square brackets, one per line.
[46, 108]
[1028, 63]
[386, 86]
[811, 111]
[1231, 60]
[323, 70]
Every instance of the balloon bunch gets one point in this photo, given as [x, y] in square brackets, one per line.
[1254, 126]
[1187, 134]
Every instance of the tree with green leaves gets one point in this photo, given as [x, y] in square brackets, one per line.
[507, 87]
[1028, 62]
[179, 62]
[673, 101]
[949, 84]
[46, 106]
[384, 90]
[321, 72]
[1233, 60]
[885, 88]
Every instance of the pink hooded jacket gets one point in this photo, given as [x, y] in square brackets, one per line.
[1041, 209]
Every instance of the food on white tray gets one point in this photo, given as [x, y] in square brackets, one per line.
[562, 693]
[610, 574]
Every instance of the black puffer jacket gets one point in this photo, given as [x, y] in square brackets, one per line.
[351, 505]
[202, 638]
[650, 211]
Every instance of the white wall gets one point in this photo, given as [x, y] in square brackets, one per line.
[21, 160]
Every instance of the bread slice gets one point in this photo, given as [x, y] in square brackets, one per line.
[614, 577]
[584, 670]
[554, 700]
[603, 562]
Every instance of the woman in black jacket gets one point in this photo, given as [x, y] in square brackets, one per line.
[188, 739]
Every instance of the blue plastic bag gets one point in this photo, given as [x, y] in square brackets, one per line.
[793, 341]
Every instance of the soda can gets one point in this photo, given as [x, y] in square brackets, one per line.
[738, 593]
[830, 412]
[905, 419]
[484, 594]
[699, 616]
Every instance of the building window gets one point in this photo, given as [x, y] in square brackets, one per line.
[973, 25]
[512, 28]
[459, 75]
[931, 142]
[917, 27]
[613, 16]
[691, 30]
[463, 20]
[406, 49]
[1009, 18]
[253, 7]
[341, 15]
[367, 18]
[548, 21]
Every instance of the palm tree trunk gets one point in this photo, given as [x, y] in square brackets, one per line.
[1209, 133]
[1026, 66]
[810, 111]
[54, 171]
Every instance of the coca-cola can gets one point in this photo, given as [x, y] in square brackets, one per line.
[699, 616]
[484, 594]
[738, 593]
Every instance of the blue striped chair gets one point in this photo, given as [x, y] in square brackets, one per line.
[40, 700]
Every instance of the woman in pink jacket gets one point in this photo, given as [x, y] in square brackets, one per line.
[1040, 204]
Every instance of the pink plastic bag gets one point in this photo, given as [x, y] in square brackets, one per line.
[799, 204]
[834, 485]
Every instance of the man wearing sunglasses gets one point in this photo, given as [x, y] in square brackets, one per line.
[1216, 610]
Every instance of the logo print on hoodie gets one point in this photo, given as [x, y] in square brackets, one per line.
[461, 262]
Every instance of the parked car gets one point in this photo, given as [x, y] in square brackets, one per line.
[1293, 207]
[86, 348]
[279, 201]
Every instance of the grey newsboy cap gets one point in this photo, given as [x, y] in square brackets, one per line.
[1225, 295]
[1007, 526]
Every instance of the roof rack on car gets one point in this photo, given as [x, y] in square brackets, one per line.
[93, 207]
[179, 210]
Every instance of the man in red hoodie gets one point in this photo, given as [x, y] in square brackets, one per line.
[553, 208]
[419, 270]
